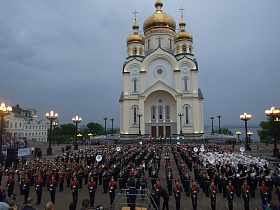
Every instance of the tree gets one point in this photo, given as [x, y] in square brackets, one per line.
[224, 131]
[95, 128]
[266, 133]
[65, 132]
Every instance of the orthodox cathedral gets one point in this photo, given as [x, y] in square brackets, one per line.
[160, 96]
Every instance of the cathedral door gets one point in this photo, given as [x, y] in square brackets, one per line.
[154, 131]
[167, 131]
[160, 131]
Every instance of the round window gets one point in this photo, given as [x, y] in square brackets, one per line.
[159, 71]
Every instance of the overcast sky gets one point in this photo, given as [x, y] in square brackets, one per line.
[68, 55]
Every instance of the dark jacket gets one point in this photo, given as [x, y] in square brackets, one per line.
[28, 208]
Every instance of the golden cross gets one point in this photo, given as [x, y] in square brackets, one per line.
[182, 9]
[135, 12]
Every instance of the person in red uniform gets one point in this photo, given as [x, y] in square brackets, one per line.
[74, 187]
[38, 188]
[26, 187]
[112, 190]
[53, 186]
[92, 189]
[10, 185]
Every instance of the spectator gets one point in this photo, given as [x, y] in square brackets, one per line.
[29, 204]
[9, 197]
[72, 206]
[4, 206]
[49, 206]
[12, 205]
[85, 204]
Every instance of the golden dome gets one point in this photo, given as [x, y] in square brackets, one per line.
[182, 23]
[159, 19]
[135, 38]
[183, 36]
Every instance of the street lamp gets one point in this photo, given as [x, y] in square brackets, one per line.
[212, 118]
[89, 135]
[238, 133]
[274, 114]
[4, 111]
[245, 117]
[112, 119]
[54, 126]
[181, 115]
[250, 134]
[51, 116]
[105, 118]
[76, 120]
[139, 115]
[219, 116]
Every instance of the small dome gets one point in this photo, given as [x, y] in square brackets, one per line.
[182, 23]
[135, 26]
[183, 36]
[135, 38]
[159, 19]
[158, 3]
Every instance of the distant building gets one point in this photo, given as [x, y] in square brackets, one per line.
[26, 124]
[160, 80]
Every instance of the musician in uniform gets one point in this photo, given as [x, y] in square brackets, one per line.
[105, 180]
[187, 183]
[53, 185]
[68, 177]
[212, 190]
[131, 184]
[245, 191]
[154, 177]
[74, 187]
[10, 185]
[265, 194]
[230, 191]
[38, 188]
[112, 190]
[61, 176]
[142, 183]
[26, 188]
[92, 188]
[194, 189]
[156, 190]
[177, 193]
[169, 178]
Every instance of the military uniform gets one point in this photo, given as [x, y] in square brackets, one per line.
[194, 189]
[92, 189]
[230, 191]
[74, 187]
[245, 191]
[38, 188]
[177, 194]
[53, 185]
[212, 190]
[112, 191]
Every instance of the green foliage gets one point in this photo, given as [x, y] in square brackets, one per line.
[266, 133]
[224, 131]
[95, 128]
[67, 132]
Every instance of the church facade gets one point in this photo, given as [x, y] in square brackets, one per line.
[160, 96]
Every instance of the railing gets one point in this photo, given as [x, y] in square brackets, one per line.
[144, 199]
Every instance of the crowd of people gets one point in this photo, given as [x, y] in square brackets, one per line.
[131, 169]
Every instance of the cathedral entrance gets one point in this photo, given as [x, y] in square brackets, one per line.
[161, 131]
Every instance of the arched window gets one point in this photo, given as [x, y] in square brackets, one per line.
[167, 112]
[184, 49]
[178, 50]
[140, 51]
[129, 51]
[187, 114]
[11, 125]
[190, 49]
[15, 125]
[134, 115]
[185, 83]
[134, 51]
[153, 112]
[160, 114]
[134, 85]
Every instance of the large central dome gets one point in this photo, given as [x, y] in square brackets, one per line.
[159, 19]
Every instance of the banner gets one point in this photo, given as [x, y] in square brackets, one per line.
[23, 152]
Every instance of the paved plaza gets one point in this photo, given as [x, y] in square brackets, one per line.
[63, 199]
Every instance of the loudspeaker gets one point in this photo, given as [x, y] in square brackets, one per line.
[12, 157]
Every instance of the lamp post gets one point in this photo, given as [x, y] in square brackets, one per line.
[219, 116]
[4, 111]
[212, 118]
[105, 132]
[245, 117]
[274, 114]
[250, 134]
[76, 120]
[238, 133]
[54, 126]
[181, 115]
[112, 119]
[139, 116]
[51, 116]
[90, 135]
